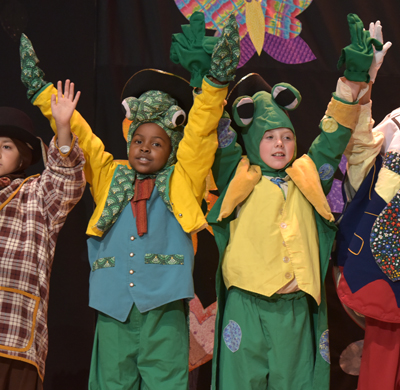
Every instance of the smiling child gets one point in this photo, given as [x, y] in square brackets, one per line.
[140, 250]
[274, 230]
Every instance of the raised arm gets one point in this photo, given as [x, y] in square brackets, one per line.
[99, 165]
[198, 146]
[343, 111]
[365, 144]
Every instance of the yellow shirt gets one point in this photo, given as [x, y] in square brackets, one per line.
[272, 242]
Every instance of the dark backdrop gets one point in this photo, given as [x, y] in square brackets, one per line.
[99, 45]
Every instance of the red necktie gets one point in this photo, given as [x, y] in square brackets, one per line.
[143, 190]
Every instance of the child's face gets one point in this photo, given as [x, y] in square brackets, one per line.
[277, 147]
[10, 160]
[150, 148]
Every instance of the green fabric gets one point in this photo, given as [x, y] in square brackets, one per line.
[31, 74]
[192, 49]
[215, 85]
[148, 351]
[162, 182]
[226, 55]
[105, 262]
[358, 56]
[326, 150]
[153, 258]
[225, 163]
[267, 116]
[119, 194]
[157, 107]
[280, 335]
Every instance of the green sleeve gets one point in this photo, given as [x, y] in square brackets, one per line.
[225, 163]
[326, 151]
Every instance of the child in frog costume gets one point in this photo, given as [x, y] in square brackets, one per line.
[274, 230]
[140, 249]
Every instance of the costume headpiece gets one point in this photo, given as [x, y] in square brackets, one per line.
[152, 95]
[259, 108]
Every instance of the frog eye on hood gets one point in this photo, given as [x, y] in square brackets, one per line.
[178, 118]
[129, 107]
[174, 117]
[243, 110]
[286, 96]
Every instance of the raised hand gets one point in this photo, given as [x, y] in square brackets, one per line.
[63, 107]
[226, 53]
[358, 56]
[375, 31]
[192, 48]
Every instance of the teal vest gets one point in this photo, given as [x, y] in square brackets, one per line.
[147, 271]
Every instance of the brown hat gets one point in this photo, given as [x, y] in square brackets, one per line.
[16, 124]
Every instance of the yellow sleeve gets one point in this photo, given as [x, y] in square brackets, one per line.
[363, 147]
[197, 149]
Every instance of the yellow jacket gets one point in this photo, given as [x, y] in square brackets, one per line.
[195, 157]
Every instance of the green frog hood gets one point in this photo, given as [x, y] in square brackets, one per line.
[261, 112]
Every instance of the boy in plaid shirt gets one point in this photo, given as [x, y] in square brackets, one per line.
[32, 212]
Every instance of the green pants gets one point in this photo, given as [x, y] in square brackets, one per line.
[149, 351]
[266, 343]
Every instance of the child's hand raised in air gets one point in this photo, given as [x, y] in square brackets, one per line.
[63, 107]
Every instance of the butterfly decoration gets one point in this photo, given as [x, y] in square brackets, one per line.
[268, 25]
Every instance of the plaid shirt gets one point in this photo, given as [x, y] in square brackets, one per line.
[30, 223]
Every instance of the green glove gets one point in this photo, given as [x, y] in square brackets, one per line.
[226, 54]
[359, 54]
[192, 49]
[31, 74]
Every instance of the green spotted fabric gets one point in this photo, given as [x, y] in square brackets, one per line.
[31, 74]
[151, 258]
[105, 262]
[226, 54]
[120, 193]
[162, 180]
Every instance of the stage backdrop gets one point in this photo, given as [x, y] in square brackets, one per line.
[99, 45]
